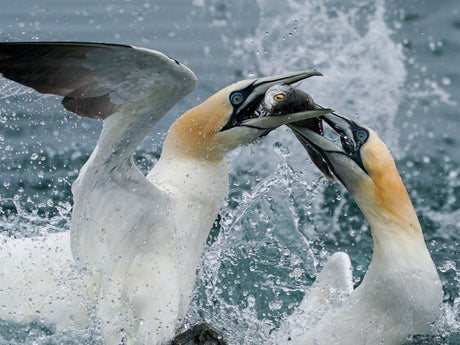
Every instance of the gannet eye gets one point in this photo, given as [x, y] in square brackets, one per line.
[279, 97]
[236, 98]
[361, 135]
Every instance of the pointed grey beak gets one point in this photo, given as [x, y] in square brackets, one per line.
[315, 140]
[339, 159]
[352, 135]
[268, 122]
[250, 106]
[287, 78]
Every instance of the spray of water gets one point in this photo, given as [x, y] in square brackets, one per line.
[364, 77]
[271, 241]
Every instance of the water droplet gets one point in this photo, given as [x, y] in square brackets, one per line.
[251, 300]
[275, 305]
[445, 81]
[448, 265]
[264, 218]
[296, 273]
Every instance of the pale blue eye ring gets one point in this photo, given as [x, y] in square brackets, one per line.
[236, 98]
[361, 135]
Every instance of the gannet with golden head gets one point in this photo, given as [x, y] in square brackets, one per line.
[141, 237]
[401, 293]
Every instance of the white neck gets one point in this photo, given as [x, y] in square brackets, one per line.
[396, 231]
[399, 251]
[401, 289]
[399, 295]
[199, 188]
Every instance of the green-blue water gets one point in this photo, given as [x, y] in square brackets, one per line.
[393, 64]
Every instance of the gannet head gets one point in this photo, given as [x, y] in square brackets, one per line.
[401, 268]
[239, 114]
[365, 167]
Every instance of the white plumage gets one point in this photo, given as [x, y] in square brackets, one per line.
[137, 240]
[401, 293]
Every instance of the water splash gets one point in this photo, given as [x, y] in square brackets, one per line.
[26, 223]
[260, 242]
[350, 44]
[36, 333]
[10, 89]
[365, 78]
[364, 71]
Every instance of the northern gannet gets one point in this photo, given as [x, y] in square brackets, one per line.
[401, 293]
[141, 237]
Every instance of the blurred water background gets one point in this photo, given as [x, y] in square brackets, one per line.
[393, 65]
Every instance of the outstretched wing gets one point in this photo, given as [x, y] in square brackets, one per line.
[329, 291]
[96, 79]
[333, 283]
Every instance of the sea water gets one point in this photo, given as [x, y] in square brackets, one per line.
[391, 65]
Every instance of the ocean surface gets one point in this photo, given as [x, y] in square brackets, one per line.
[393, 65]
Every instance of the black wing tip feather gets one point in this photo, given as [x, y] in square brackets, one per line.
[98, 108]
[52, 67]
[13, 50]
[34, 64]
[63, 43]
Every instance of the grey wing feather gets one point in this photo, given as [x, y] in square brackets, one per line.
[95, 79]
[333, 282]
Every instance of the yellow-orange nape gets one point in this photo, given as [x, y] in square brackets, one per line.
[384, 190]
[194, 134]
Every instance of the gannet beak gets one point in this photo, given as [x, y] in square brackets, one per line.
[260, 105]
[340, 160]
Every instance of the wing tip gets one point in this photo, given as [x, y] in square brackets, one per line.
[184, 73]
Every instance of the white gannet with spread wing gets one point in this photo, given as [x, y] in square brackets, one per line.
[140, 237]
[401, 293]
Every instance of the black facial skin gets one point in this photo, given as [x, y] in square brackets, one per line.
[294, 101]
[240, 115]
[351, 145]
[280, 99]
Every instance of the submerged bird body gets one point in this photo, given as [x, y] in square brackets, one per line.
[401, 293]
[141, 237]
